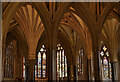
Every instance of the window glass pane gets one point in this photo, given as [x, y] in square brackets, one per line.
[104, 48]
[23, 67]
[9, 60]
[80, 62]
[65, 67]
[58, 63]
[39, 58]
[105, 63]
[41, 66]
[61, 62]
[35, 70]
[105, 68]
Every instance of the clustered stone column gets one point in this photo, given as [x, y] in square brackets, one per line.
[114, 62]
[1, 70]
[71, 72]
[118, 64]
[75, 73]
[51, 62]
[26, 70]
[96, 62]
[89, 69]
[31, 65]
[115, 70]
[89, 59]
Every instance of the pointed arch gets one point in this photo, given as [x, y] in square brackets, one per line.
[104, 15]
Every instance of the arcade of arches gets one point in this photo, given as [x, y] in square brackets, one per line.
[60, 41]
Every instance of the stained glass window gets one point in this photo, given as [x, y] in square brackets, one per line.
[105, 64]
[9, 60]
[40, 68]
[23, 67]
[80, 62]
[61, 62]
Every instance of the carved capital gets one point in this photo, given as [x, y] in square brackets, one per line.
[31, 56]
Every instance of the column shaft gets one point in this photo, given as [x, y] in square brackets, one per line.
[119, 65]
[26, 73]
[89, 69]
[72, 72]
[115, 71]
[96, 64]
[75, 73]
[51, 63]
[1, 71]
[31, 69]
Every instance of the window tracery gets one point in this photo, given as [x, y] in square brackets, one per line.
[40, 68]
[80, 62]
[61, 62]
[105, 64]
[9, 60]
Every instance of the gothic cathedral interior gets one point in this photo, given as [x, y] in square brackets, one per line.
[71, 41]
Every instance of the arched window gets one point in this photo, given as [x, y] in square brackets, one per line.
[80, 62]
[61, 62]
[9, 60]
[105, 64]
[40, 68]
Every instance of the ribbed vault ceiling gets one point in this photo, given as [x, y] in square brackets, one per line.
[71, 25]
[30, 23]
